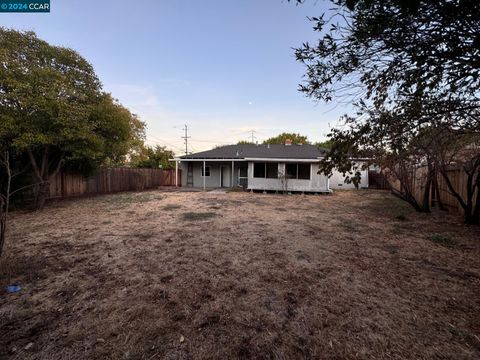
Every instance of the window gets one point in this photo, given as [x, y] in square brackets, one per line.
[304, 171]
[265, 170]
[291, 171]
[243, 172]
[272, 170]
[298, 171]
[207, 171]
[259, 170]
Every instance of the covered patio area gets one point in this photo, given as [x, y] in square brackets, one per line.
[211, 173]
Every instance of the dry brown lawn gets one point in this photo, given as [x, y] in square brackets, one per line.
[175, 275]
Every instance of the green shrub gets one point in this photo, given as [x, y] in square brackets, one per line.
[442, 239]
[171, 207]
[194, 216]
[398, 215]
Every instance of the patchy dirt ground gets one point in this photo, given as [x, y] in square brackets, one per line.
[175, 275]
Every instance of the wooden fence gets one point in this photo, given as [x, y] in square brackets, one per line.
[106, 181]
[377, 180]
[457, 177]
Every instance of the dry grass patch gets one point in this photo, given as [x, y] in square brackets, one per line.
[129, 276]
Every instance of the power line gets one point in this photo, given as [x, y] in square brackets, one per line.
[164, 142]
[186, 137]
[253, 135]
[211, 141]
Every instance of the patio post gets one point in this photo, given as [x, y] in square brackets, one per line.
[204, 175]
[176, 173]
[231, 176]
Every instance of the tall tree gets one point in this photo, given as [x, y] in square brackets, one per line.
[49, 92]
[407, 66]
[52, 102]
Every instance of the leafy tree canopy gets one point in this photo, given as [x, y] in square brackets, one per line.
[280, 139]
[118, 131]
[381, 53]
[327, 144]
[54, 110]
[245, 142]
[155, 157]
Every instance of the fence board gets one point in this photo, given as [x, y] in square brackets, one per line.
[66, 185]
[457, 177]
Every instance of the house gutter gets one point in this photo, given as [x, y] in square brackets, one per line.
[205, 159]
[283, 160]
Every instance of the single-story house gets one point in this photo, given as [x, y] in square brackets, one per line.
[280, 167]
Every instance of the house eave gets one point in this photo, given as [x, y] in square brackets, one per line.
[206, 159]
[284, 160]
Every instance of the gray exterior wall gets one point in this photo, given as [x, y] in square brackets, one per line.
[317, 182]
[212, 181]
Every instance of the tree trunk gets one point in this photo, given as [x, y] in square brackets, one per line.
[436, 189]
[471, 211]
[38, 178]
[42, 176]
[42, 194]
[475, 218]
[426, 191]
[406, 193]
[426, 197]
[409, 198]
[5, 202]
[3, 223]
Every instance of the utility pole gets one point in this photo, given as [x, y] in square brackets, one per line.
[253, 136]
[185, 138]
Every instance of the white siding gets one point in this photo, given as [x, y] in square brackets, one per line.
[317, 182]
[337, 180]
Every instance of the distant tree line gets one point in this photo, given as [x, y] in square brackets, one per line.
[295, 138]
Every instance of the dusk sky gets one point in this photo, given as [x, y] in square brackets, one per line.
[222, 67]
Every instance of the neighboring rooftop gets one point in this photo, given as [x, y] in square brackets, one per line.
[260, 151]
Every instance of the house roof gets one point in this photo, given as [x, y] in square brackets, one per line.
[260, 151]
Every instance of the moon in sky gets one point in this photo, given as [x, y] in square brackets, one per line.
[250, 103]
